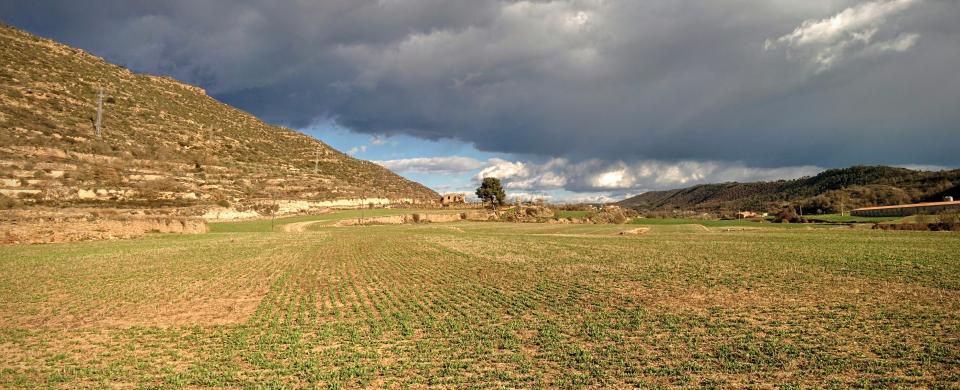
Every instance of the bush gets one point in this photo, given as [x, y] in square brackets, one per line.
[266, 208]
[951, 217]
[787, 215]
[7, 202]
[934, 227]
[151, 189]
[949, 220]
[614, 215]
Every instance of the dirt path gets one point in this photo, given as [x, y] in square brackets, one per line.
[635, 232]
[298, 227]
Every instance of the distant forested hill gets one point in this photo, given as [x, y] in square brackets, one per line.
[828, 192]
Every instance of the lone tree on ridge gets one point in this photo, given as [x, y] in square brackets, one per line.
[491, 191]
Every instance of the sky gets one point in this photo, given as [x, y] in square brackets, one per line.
[579, 100]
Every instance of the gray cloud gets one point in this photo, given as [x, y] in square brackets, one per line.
[755, 82]
[619, 178]
[594, 179]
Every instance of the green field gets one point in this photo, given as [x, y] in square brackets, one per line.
[850, 218]
[573, 213]
[485, 305]
[717, 223]
[267, 225]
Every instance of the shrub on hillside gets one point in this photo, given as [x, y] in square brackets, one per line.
[106, 175]
[151, 189]
[7, 202]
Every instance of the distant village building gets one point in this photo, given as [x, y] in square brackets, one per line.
[904, 210]
[748, 215]
[451, 199]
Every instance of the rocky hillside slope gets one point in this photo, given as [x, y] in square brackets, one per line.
[829, 192]
[163, 143]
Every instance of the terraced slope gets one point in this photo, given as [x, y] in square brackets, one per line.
[163, 142]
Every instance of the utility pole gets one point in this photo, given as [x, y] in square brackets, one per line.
[316, 163]
[273, 211]
[99, 110]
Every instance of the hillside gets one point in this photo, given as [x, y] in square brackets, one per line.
[830, 191]
[164, 143]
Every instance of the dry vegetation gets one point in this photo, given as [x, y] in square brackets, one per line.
[487, 305]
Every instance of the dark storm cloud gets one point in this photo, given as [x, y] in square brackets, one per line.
[765, 83]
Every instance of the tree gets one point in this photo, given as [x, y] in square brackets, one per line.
[491, 191]
[788, 215]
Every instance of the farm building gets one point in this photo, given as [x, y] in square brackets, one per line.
[904, 210]
[749, 214]
[449, 199]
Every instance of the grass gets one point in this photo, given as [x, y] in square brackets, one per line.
[266, 225]
[573, 213]
[717, 223]
[850, 218]
[485, 305]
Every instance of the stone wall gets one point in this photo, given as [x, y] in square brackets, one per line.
[64, 226]
[248, 211]
[416, 218]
